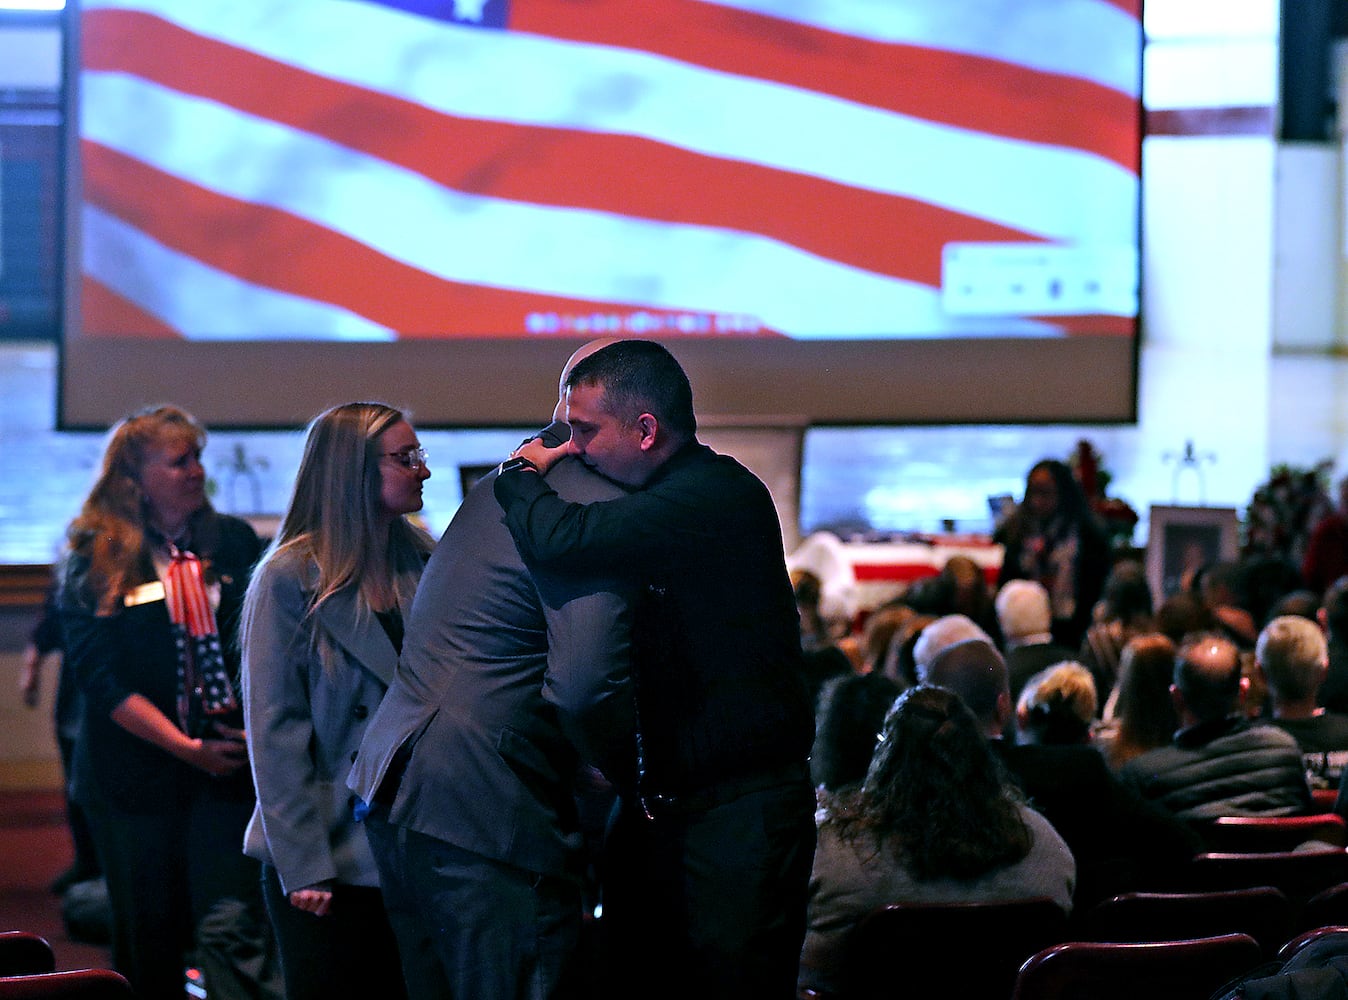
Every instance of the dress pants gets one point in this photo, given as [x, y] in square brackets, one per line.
[350, 951]
[471, 928]
[180, 887]
[709, 904]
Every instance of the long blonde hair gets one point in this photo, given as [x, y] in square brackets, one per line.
[110, 529]
[334, 516]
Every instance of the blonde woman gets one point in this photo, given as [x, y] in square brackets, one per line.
[150, 595]
[321, 636]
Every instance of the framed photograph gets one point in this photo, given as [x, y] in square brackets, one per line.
[1182, 540]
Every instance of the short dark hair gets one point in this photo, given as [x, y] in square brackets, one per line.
[640, 376]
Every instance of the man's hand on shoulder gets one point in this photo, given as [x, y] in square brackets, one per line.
[539, 455]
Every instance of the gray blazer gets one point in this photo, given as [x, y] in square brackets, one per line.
[508, 679]
[304, 725]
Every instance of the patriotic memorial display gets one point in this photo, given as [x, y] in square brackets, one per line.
[348, 170]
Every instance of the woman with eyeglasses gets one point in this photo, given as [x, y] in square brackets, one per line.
[151, 588]
[322, 631]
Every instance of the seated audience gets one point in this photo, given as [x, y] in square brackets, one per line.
[1302, 603]
[877, 634]
[821, 657]
[1057, 706]
[851, 714]
[940, 634]
[1182, 614]
[1293, 657]
[1333, 618]
[1025, 618]
[961, 588]
[934, 821]
[1119, 841]
[1219, 763]
[1326, 557]
[1124, 611]
[816, 632]
[900, 664]
[1142, 714]
[1266, 579]
[1221, 588]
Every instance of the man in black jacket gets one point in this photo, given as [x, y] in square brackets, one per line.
[709, 859]
[1219, 763]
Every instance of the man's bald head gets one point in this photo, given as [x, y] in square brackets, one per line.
[975, 671]
[1207, 676]
[581, 353]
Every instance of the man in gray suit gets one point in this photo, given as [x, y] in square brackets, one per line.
[509, 681]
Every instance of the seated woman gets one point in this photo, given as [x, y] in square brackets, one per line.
[1057, 706]
[934, 821]
[1124, 611]
[1143, 716]
[851, 715]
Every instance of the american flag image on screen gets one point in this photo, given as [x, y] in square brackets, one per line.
[353, 170]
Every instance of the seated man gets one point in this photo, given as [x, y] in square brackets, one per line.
[1293, 658]
[1120, 842]
[1026, 618]
[940, 635]
[1219, 763]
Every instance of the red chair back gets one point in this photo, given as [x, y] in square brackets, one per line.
[23, 953]
[1252, 834]
[1307, 938]
[1263, 913]
[1299, 874]
[949, 949]
[81, 984]
[1158, 970]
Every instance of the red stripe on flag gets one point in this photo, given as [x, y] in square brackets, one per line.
[257, 244]
[1092, 325]
[105, 313]
[881, 233]
[967, 91]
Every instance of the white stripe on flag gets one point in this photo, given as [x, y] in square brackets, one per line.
[1055, 193]
[201, 302]
[1011, 31]
[560, 251]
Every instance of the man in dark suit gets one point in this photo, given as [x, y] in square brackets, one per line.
[1120, 841]
[508, 682]
[708, 862]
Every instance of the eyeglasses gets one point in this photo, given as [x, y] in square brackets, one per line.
[411, 458]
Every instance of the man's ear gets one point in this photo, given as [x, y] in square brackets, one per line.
[649, 427]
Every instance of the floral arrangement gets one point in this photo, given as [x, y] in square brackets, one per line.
[1284, 510]
[1117, 516]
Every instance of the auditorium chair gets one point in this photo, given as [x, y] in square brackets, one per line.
[1193, 969]
[1299, 874]
[949, 949]
[81, 984]
[1262, 912]
[1251, 834]
[1306, 938]
[1325, 908]
[23, 953]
